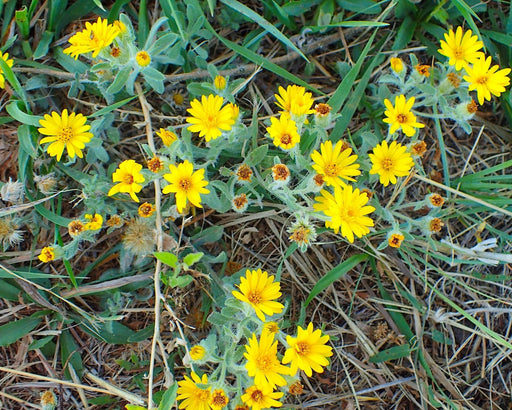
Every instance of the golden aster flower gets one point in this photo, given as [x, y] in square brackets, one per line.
[146, 210]
[235, 111]
[419, 148]
[436, 225]
[262, 397]
[395, 240]
[155, 165]
[129, 177]
[260, 291]
[218, 399]
[240, 203]
[294, 100]
[65, 131]
[94, 38]
[120, 26]
[168, 137]
[322, 110]
[423, 69]
[436, 200]
[471, 107]
[486, 80]
[390, 162]
[319, 180]
[48, 400]
[461, 48]
[347, 210]
[262, 362]
[115, 221]
[296, 388]
[193, 396]
[178, 98]
[241, 407]
[93, 222]
[284, 132]
[281, 173]
[47, 254]
[244, 173]
[7, 61]
[208, 118]
[271, 327]
[143, 58]
[335, 164]
[400, 116]
[75, 227]
[454, 79]
[308, 351]
[219, 82]
[115, 52]
[186, 184]
[397, 65]
[197, 352]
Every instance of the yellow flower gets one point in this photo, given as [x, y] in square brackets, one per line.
[400, 116]
[395, 240]
[94, 222]
[168, 137]
[262, 397]
[193, 396]
[294, 100]
[218, 399]
[129, 177]
[66, 131]
[335, 164]
[271, 327]
[155, 165]
[308, 351]
[281, 173]
[7, 61]
[260, 291]
[146, 210]
[186, 184]
[396, 64]
[143, 59]
[486, 80]
[262, 362]
[197, 352]
[219, 82]
[284, 132]
[95, 37]
[235, 111]
[461, 48]
[390, 162]
[121, 27]
[243, 173]
[208, 118]
[76, 227]
[47, 254]
[347, 210]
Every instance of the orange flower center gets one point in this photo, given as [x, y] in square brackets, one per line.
[458, 53]
[185, 184]
[481, 80]
[387, 164]
[219, 400]
[66, 134]
[331, 170]
[128, 179]
[401, 118]
[202, 395]
[286, 139]
[257, 396]
[48, 254]
[265, 363]
[254, 298]
[302, 348]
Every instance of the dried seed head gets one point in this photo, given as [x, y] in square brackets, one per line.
[419, 149]
[12, 192]
[46, 183]
[139, 237]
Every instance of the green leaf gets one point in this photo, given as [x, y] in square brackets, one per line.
[39, 343]
[142, 335]
[120, 81]
[25, 140]
[8, 291]
[192, 258]
[209, 235]
[344, 89]
[112, 107]
[14, 111]
[169, 397]
[167, 258]
[43, 45]
[70, 353]
[334, 274]
[256, 156]
[13, 331]
[155, 79]
[180, 281]
[393, 353]
[264, 24]
[111, 332]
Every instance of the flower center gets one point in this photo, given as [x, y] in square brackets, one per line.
[128, 179]
[387, 164]
[211, 121]
[351, 213]
[286, 139]
[66, 134]
[302, 348]
[219, 400]
[265, 363]
[458, 53]
[481, 80]
[401, 118]
[257, 396]
[185, 184]
[254, 298]
[331, 170]
[203, 395]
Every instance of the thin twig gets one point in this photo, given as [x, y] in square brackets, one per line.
[159, 245]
